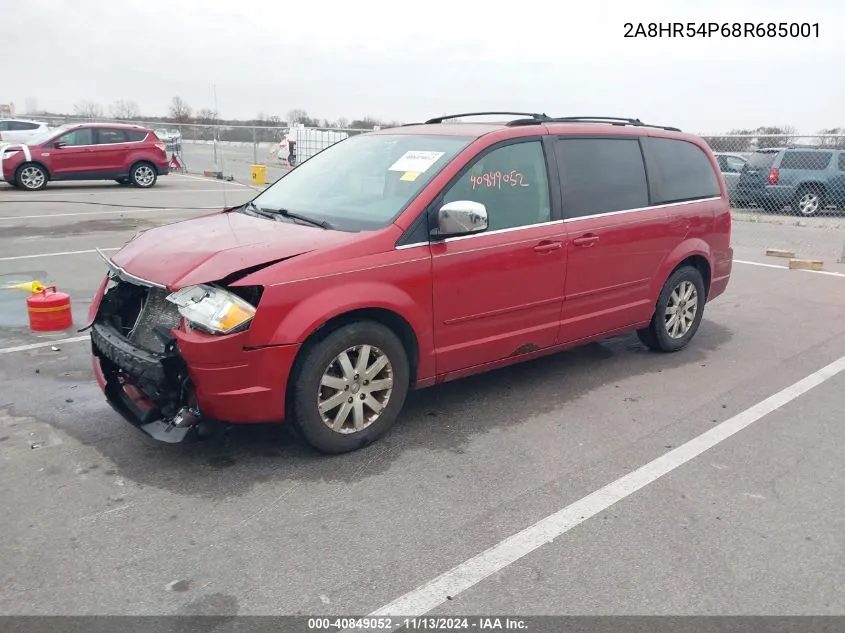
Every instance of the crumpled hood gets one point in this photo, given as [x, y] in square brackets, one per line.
[209, 248]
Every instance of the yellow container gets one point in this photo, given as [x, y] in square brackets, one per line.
[259, 174]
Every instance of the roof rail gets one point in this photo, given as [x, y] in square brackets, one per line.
[593, 119]
[531, 115]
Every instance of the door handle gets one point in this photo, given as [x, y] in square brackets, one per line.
[585, 240]
[546, 247]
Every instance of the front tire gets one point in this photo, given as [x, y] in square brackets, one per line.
[678, 312]
[31, 176]
[349, 387]
[143, 175]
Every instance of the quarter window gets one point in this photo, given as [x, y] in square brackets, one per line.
[683, 171]
[511, 182]
[601, 175]
[814, 161]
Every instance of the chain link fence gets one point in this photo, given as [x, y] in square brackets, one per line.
[230, 151]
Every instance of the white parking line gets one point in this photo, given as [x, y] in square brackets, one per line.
[58, 341]
[113, 212]
[762, 265]
[93, 250]
[460, 578]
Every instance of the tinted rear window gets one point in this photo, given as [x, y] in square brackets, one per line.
[683, 171]
[762, 160]
[806, 160]
[133, 136]
[601, 175]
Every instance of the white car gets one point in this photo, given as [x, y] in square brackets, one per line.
[21, 130]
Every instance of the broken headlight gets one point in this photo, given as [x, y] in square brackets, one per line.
[213, 309]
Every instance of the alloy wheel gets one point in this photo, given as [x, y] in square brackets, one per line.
[355, 389]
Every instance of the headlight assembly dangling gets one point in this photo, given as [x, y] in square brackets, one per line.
[212, 309]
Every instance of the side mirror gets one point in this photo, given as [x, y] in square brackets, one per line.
[461, 217]
[59, 144]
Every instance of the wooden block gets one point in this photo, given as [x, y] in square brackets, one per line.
[779, 252]
[806, 264]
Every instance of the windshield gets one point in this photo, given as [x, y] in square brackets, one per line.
[363, 182]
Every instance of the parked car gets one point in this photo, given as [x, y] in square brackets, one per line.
[21, 130]
[172, 138]
[406, 257]
[731, 166]
[806, 179]
[128, 154]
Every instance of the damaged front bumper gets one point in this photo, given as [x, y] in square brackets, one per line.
[148, 389]
[169, 381]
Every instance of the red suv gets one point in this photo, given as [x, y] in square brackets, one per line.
[407, 257]
[128, 154]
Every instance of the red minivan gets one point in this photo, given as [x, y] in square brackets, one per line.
[407, 257]
[129, 154]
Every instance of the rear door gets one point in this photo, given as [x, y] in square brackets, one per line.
[616, 240]
[112, 150]
[498, 294]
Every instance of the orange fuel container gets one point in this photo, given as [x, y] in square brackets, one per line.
[49, 310]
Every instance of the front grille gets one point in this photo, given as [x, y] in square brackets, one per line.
[156, 311]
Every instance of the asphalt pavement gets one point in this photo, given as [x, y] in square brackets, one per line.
[589, 482]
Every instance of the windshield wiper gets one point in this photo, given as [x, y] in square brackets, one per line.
[253, 208]
[272, 213]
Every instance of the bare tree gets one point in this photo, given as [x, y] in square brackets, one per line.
[775, 136]
[31, 105]
[123, 109]
[297, 116]
[833, 137]
[733, 141]
[180, 111]
[367, 123]
[342, 122]
[88, 110]
[206, 116]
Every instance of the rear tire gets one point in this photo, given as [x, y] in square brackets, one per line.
[678, 312]
[31, 176]
[143, 175]
[808, 202]
[348, 388]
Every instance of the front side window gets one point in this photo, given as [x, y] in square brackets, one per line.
[683, 171]
[511, 182]
[363, 182]
[601, 175]
[81, 136]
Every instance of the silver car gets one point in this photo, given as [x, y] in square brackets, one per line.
[731, 166]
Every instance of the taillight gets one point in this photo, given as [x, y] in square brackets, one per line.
[774, 175]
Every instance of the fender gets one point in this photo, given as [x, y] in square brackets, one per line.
[27, 154]
[312, 312]
[687, 248]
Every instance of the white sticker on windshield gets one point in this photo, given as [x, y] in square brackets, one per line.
[415, 161]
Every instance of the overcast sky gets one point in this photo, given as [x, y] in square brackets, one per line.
[409, 60]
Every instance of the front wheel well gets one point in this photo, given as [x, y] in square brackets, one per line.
[33, 162]
[701, 264]
[396, 323]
